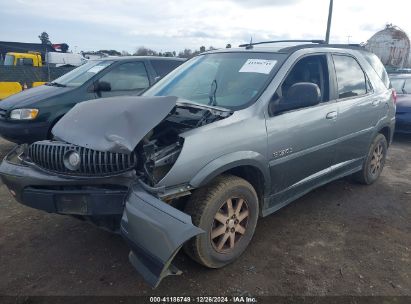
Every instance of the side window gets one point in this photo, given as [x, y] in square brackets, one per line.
[351, 80]
[407, 86]
[163, 67]
[378, 67]
[127, 76]
[25, 61]
[310, 69]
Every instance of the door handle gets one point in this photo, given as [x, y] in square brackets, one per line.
[332, 115]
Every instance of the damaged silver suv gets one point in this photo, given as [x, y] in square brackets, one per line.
[229, 136]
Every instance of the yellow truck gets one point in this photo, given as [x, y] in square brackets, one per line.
[55, 59]
[30, 59]
[14, 61]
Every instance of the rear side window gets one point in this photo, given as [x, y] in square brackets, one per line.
[163, 67]
[378, 67]
[351, 79]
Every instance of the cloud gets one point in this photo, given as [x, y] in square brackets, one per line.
[177, 24]
[257, 3]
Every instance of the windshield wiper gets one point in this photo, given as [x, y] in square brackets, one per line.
[56, 84]
[212, 93]
[192, 104]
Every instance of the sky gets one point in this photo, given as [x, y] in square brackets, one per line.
[90, 25]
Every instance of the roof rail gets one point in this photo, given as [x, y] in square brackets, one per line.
[250, 45]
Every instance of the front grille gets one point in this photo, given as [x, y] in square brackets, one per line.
[49, 155]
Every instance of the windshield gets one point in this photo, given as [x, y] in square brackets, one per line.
[9, 60]
[80, 75]
[398, 84]
[229, 80]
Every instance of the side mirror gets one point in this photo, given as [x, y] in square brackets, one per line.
[299, 95]
[102, 86]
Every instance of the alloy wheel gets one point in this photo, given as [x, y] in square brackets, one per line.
[377, 160]
[229, 225]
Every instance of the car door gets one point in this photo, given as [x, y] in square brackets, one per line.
[359, 110]
[301, 142]
[129, 78]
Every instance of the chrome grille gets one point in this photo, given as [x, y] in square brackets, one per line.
[49, 155]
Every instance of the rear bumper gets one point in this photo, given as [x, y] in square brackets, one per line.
[24, 132]
[155, 232]
[57, 194]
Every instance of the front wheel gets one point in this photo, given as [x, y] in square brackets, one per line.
[227, 210]
[374, 163]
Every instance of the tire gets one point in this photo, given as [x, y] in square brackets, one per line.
[374, 163]
[203, 206]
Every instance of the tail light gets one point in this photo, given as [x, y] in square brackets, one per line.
[394, 96]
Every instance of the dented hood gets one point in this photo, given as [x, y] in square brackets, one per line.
[115, 124]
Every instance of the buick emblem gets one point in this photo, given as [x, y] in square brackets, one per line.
[72, 160]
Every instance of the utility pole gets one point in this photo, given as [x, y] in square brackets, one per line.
[348, 39]
[330, 15]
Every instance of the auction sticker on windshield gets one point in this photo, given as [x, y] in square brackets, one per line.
[96, 69]
[258, 66]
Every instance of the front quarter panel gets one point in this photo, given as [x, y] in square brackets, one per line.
[208, 149]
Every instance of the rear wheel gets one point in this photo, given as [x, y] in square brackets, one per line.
[374, 163]
[227, 210]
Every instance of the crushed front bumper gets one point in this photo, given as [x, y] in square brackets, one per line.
[155, 232]
[65, 195]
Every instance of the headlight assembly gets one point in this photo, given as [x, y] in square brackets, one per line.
[24, 114]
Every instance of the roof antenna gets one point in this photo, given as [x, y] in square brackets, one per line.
[250, 45]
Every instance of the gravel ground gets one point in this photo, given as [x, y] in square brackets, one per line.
[341, 239]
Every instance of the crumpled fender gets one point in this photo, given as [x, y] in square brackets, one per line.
[155, 232]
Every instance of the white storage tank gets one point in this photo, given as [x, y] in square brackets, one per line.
[391, 45]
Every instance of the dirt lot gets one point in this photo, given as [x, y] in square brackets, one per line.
[341, 239]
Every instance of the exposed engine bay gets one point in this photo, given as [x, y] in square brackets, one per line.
[145, 135]
[160, 148]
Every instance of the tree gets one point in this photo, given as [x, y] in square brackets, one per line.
[228, 46]
[64, 47]
[110, 52]
[143, 51]
[187, 53]
[202, 49]
[44, 38]
[125, 53]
